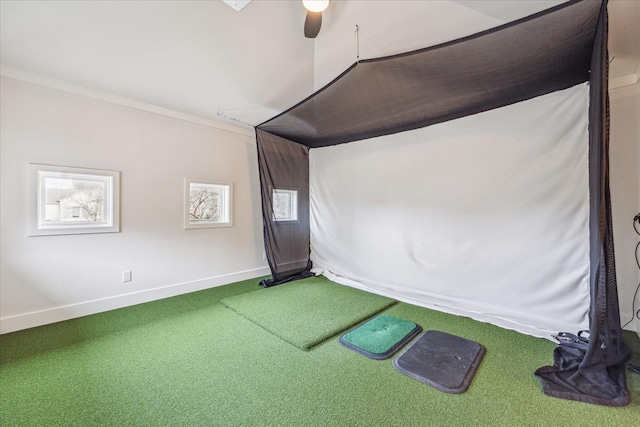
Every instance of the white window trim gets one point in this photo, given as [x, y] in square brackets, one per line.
[37, 203]
[294, 204]
[227, 204]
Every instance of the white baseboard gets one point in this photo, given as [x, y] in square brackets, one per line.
[630, 320]
[67, 312]
[633, 325]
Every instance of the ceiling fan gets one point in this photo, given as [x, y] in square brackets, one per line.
[312, 22]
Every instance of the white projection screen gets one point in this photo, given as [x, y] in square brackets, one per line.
[470, 177]
[485, 216]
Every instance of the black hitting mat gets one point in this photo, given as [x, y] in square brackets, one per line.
[441, 360]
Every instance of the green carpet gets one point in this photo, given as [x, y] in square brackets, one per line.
[190, 361]
[380, 337]
[306, 312]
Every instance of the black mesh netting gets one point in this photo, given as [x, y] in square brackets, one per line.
[284, 165]
[543, 53]
[518, 61]
[596, 374]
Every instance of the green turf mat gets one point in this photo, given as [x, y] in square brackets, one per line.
[306, 312]
[380, 337]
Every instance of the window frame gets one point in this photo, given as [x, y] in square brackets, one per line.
[37, 225]
[226, 208]
[293, 207]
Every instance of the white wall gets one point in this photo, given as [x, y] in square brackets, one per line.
[46, 279]
[624, 153]
[51, 278]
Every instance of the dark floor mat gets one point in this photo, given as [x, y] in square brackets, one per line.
[441, 360]
[380, 337]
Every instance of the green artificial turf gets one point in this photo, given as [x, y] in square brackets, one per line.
[190, 361]
[306, 312]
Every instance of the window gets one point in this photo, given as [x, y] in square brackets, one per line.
[69, 200]
[285, 205]
[208, 203]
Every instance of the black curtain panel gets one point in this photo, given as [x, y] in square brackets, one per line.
[546, 52]
[594, 372]
[284, 176]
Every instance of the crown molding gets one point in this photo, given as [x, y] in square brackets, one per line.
[48, 82]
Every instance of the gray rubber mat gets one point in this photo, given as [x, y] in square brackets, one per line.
[443, 361]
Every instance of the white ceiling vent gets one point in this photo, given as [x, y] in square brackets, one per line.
[237, 4]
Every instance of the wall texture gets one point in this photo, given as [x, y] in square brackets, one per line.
[624, 154]
[51, 278]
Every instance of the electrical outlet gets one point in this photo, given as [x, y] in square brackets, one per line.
[264, 256]
[126, 276]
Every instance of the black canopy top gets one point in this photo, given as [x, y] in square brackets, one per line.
[539, 54]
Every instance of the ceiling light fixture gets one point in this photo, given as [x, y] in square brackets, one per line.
[315, 5]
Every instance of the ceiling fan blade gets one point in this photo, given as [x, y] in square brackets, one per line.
[312, 24]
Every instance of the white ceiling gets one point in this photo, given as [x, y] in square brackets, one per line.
[205, 59]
